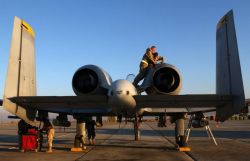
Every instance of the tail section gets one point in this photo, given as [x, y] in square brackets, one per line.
[21, 77]
[228, 70]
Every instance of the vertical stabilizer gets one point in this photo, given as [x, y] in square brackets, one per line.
[228, 70]
[21, 76]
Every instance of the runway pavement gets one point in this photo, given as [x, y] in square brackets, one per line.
[117, 144]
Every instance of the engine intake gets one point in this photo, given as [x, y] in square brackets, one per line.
[90, 79]
[85, 81]
[165, 80]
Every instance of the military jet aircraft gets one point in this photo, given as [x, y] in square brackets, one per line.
[98, 95]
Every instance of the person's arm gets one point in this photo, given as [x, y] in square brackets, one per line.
[150, 57]
[161, 58]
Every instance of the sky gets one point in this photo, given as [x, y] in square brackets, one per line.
[114, 34]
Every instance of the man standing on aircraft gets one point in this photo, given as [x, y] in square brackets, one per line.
[149, 59]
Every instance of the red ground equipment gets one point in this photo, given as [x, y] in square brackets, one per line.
[30, 140]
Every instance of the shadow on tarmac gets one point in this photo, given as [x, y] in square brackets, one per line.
[194, 133]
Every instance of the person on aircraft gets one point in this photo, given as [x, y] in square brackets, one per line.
[149, 59]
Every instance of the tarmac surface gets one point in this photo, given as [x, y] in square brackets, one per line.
[117, 144]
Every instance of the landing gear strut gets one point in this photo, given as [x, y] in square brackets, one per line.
[136, 128]
[79, 143]
[180, 137]
[119, 119]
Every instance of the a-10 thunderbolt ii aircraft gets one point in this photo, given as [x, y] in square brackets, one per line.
[97, 94]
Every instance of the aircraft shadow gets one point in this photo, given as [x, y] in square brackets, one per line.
[5, 138]
[171, 133]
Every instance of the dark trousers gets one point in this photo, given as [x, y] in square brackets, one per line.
[20, 142]
[140, 76]
[91, 134]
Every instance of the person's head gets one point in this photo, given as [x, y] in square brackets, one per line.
[156, 55]
[153, 49]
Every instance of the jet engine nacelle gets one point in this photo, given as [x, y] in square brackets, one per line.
[91, 79]
[163, 79]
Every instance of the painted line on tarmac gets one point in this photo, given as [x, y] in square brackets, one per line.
[157, 131]
[13, 148]
[93, 147]
[63, 135]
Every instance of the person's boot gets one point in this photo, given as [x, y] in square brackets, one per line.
[49, 150]
[83, 146]
[90, 143]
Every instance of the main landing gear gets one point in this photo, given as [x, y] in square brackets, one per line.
[79, 142]
[180, 137]
[137, 123]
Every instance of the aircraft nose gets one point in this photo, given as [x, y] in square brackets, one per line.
[115, 92]
[122, 88]
[121, 94]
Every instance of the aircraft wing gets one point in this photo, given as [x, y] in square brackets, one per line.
[157, 111]
[65, 104]
[182, 101]
[73, 104]
[158, 104]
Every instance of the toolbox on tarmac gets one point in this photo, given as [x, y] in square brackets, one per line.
[30, 140]
[32, 131]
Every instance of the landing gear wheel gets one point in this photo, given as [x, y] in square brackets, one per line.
[180, 137]
[181, 141]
